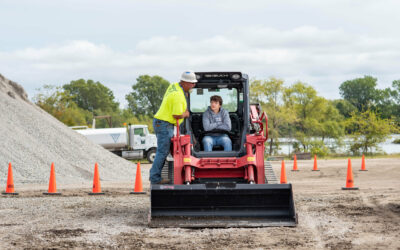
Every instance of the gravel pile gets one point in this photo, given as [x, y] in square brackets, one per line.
[31, 140]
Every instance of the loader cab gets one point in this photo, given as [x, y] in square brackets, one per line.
[233, 87]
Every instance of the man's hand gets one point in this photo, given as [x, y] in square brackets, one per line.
[183, 115]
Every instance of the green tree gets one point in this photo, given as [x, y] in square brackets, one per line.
[396, 97]
[130, 119]
[360, 92]
[385, 103]
[268, 93]
[369, 131]
[60, 104]
[332, 122]
[396, 91]
[345, 107]
[303, 99]
[92, 96]
[147, 95]
[315, 116]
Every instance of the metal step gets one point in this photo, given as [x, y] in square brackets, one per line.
[270, 177]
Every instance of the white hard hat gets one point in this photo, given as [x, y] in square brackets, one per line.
[188, 76]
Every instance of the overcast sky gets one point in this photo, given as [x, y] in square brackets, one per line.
[322, 43]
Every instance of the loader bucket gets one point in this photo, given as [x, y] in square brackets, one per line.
[222, 205]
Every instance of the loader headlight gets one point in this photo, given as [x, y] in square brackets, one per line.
[235, 76]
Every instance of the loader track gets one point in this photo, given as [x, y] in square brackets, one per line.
[270, 177]
[167, 172]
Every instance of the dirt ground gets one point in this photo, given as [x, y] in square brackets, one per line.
[329, 218]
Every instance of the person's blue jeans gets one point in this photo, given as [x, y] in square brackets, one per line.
[164, 132]
[221, 140]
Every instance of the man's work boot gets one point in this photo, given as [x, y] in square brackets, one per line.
[164, 181]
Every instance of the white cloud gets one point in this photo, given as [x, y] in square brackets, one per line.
[322, 57]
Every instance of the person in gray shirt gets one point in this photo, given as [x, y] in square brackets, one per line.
[215, 117]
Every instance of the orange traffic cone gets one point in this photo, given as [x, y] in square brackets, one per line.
[363, 164]
[315, 168]
[138, 182]
[10, 182]
[349, 179]
[96, 182]
[295, 164]
[52, 182]
[283, 173]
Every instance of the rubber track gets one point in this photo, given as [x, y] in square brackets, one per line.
[167, 171]
[270, 177]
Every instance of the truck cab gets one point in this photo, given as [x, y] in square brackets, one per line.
[140, 139]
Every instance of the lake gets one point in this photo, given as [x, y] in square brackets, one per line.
[388, 147]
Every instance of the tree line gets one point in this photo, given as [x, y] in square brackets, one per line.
[79, 101]
[365, 113]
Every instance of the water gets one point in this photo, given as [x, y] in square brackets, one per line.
[387, 147]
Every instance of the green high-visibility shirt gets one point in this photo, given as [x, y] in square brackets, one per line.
[173, 103]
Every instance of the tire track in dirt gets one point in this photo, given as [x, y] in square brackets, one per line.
[309, 220]
[327, 228]
[384, 210]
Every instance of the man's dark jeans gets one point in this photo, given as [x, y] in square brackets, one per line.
[164, 132]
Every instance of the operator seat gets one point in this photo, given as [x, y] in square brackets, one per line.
[196, 126]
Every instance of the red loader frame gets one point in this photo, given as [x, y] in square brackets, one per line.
[250, 167]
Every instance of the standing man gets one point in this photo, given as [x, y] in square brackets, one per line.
[215, 117]
[173, 107]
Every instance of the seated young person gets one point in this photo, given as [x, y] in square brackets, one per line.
[215, 117]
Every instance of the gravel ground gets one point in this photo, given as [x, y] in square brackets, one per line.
[32, 139]
[329, 218]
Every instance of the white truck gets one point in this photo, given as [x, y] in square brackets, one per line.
[131, 142]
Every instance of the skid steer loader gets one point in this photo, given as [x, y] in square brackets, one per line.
[219, 188]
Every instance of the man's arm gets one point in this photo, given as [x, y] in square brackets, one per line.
[226, 122]
[177, 110]
[183, 115]
[207, 125]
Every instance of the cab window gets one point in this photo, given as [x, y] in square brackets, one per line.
[200, 99]
[138, 131]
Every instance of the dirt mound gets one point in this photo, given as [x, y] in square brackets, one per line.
[12, 89]
[32, 139]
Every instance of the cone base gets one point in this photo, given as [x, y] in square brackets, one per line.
[47, 193]
[295, 170]
[137, 192]
[353, 188]
[4, 193]
[96, 193]
[315, 170]
[362, 170]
